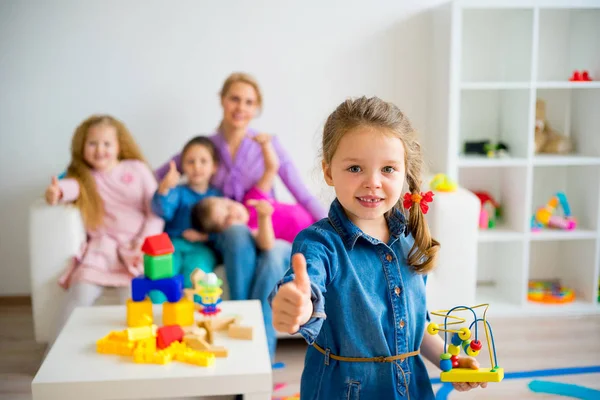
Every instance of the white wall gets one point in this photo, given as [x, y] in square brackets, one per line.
[158, 65]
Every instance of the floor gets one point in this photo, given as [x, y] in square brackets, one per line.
[523, 345]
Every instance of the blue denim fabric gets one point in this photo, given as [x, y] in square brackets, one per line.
[367, 303]
[251, 273]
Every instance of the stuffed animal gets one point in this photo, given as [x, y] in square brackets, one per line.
[546, 139]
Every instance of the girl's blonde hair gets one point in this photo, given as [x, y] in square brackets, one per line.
[244, 78]
[89, 201]
[376, 113]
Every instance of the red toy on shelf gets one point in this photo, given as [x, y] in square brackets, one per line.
[584, 76]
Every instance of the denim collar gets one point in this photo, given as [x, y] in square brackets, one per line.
[350, 232]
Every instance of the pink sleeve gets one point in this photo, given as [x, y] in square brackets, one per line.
[256, 194]
[69, 188]
[153, 224]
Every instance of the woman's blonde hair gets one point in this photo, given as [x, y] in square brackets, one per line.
[89, 201]
[244, 78]
[374, 112]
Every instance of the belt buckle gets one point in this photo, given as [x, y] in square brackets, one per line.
[380, 359]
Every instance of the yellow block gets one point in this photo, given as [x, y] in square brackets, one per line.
[180, 313]
[472, 375]
[139, 313]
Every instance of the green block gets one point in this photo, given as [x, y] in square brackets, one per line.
[158, 267]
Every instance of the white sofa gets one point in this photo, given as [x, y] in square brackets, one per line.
[56, 233]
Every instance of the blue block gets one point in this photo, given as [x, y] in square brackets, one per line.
[171, 287]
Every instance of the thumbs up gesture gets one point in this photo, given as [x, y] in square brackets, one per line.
[53, 192]
[170, 180]
[292, 306]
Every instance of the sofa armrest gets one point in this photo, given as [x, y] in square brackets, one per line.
[56, 233]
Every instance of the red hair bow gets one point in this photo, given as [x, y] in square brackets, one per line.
[421, 199]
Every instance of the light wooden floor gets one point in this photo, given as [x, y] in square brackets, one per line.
[523, 345]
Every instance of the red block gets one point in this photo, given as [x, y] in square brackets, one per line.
[165, 335]
[158, 245]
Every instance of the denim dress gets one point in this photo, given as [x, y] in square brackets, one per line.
[367, 302]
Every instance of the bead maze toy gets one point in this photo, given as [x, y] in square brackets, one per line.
[545, 216]
[180, 338]
[461, 338]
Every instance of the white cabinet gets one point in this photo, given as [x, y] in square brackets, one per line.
[490, 62]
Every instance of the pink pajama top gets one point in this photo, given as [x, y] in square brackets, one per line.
[108, 258]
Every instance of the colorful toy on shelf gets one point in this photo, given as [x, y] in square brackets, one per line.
[442, 183]
[490, 210]
[584, 76]
[545, 216]
[461, 339]
[549, 292]
[546, 139]
[487, 148]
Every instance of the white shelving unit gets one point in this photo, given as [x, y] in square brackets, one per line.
[490, 61]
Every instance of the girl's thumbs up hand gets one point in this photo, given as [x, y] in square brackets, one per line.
[292, 305]
[53, 192]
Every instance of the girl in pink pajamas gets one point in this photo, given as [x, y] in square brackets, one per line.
[111, 184]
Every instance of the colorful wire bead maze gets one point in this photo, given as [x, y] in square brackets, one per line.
[461, 339]
[545, 217]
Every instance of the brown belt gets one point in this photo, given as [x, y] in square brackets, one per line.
[368, 359]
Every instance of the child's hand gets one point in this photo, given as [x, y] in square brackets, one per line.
[192, 235]
[170, 180]
[468, 362]
[292, 306]
[263, 207]
[53, 192]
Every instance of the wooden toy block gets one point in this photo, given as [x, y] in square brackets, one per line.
[473, 375]
[157, 245]
[139, 313]
[171, 287]
[206, 324]
[240, 332]
[196, 343]
[141, 332]
[158, 267]
[194, 331]
[222, 323]
[219, 352]
[189, 294]
[180, 313]
[167, 335]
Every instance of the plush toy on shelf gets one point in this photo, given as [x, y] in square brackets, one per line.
[547, 140]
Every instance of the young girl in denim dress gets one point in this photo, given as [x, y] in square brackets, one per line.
[356, 289]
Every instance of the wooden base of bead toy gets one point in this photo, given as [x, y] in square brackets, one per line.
[473, 375]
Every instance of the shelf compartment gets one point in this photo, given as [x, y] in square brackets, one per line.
[581, 186]
[496, 45]
[566, 44]
[574, 113]
[500, 274]
[505, 186]
[497, 116]
[572, 263]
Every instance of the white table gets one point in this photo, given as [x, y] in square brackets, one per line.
[74, 370]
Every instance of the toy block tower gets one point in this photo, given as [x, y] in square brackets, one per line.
[159, 275]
